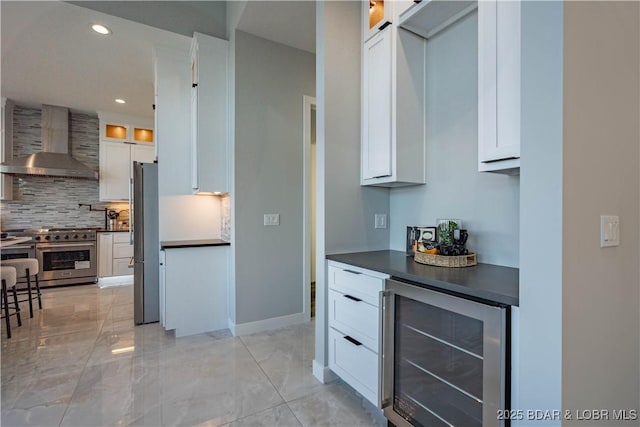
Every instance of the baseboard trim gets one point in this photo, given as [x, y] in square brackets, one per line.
[323, 373]
[266, 325]
[108, 282]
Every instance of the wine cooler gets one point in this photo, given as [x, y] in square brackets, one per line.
[444, 359]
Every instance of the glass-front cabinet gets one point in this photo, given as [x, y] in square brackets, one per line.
[444, 359]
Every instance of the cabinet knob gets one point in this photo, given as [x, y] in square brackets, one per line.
[194, 84]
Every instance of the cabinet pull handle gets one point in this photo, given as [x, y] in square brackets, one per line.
[352, 298]
[194, 84]
[417, 1]
[353, 341]
[383, 26]
[352, 272]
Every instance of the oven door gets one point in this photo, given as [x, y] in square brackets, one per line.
[27, 250]
[67, 261]
[444, 359]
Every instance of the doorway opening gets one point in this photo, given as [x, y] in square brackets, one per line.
[309, 209]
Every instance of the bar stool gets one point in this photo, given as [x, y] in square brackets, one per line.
[9, 278]
[25, 268]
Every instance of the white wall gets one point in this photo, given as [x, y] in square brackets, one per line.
[345, 214]
[487, 203]
[270, 81]
[600, 304]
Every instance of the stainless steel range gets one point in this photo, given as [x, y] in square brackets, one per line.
[66, 256]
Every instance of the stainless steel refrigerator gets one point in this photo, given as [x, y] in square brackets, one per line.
[146, 245]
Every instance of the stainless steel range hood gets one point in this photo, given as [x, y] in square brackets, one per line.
[54, 159]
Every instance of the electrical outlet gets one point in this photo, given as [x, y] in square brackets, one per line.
[380, 221]
[271, 219]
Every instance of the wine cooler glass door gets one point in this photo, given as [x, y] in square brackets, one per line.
[444, 359]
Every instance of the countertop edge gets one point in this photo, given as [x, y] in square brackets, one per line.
[488, 295]
[178, 244]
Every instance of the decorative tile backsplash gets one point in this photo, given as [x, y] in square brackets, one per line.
[225, 223]
[47, 201]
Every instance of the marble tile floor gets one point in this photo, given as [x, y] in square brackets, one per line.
[81, 362]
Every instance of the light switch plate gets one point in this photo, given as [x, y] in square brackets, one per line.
[271, 219]
[609, 230]
[380, 221]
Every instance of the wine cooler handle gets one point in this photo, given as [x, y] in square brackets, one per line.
[385, 349]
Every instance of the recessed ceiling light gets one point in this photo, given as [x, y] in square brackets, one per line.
[120, 101]
[100, 29]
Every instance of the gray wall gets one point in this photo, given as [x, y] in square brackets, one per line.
[601, 317]
[345, 214]
[48, 201]
[487, 203]
[271, 80]
[537, 349]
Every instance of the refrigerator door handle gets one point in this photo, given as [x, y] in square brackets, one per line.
[130, 222]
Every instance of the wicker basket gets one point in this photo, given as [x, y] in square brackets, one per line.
[446, 261]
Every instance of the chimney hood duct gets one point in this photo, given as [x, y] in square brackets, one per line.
[54, 159]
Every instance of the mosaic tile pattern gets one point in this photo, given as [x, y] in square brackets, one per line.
[225, 231]
[49, 201]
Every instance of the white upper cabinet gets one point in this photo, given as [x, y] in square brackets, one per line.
[114, 170]
[123, 140]
[376, 110]
[376, 15]
[209, 114]
[499, 86]
[393, 108]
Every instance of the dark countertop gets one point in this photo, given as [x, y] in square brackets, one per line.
[175, 244]
[492, 283]
[104, 230]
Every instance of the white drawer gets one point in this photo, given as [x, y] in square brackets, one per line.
[355, 364]
[121, 237]
[357, 319]
[122, 251]
[355, 283]
[121, 267]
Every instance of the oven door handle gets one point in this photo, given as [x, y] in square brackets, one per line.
[63, 246]
[385, 350]
[7, 248]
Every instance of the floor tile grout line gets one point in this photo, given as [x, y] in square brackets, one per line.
[86, 363]
[272, 384]
[275, 388]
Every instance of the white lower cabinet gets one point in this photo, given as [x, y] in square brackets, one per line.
[354, 327]
[195, 289]
[355, 364]
[115, 253]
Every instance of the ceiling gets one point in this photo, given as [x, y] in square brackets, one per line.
[292, 23]
[51, 56]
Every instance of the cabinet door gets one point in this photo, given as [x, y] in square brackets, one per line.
[143, 153]
[375, 14]
[114, 170]
[209, 110]
[195, 185]
[376, 107]
[121, 267]
[105, 254]
[498, 82]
